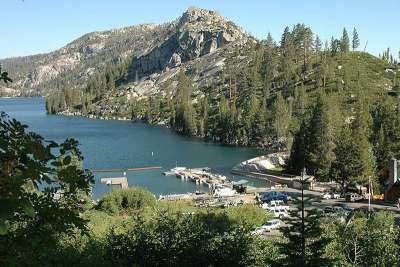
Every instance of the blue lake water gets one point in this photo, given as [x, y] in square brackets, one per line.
[123, 144]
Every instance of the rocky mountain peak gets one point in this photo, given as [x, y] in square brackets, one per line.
[198, 32]
[154, 48]
[195, 14]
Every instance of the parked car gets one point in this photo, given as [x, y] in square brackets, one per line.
[353, 197]
[280, 213]
[330, 195]
[326, 195]
[274, 204]
[267, 227]
[272, 225]
[378, 197]
[335, 195]
[274, 195]
[258, 231]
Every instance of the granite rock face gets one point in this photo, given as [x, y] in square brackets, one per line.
[196, 33]
[153, 48]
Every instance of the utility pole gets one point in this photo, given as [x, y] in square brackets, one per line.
[303, 240]
[369, 196]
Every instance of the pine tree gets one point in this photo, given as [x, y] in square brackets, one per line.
[258, 127]
[269, 42]
[320, 139]
[223, 128]
[381, 151]
[317, 46]
[344, 42]
[356, 40]
[204, 118]
[300, 101]
[269, 65]
[304, 243]
[185, 113]
[362, 129]
[297, 156]
[285, 39]
[344, 168]
[280, 117]
[335, 46]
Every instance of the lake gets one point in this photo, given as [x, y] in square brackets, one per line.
[124, 144]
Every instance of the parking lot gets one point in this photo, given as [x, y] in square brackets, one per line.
[375, 204]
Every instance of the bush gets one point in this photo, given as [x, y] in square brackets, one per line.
[250, 215]
[126, 200]
[175, 239]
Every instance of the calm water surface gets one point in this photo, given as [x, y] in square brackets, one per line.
[121, 144]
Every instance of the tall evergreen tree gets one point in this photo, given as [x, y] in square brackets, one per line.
[304, 243]
[344, 42]
[355, 41]
[185, 113]
[297, 158]
[317, 46]
[362, 129]
[320, 140]
[280, 117]
[345, 166]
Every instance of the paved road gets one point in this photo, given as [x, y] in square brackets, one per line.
[375, 205]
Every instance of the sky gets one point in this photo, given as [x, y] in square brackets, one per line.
[37, 26]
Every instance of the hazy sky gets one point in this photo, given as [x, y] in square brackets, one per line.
[37, 26]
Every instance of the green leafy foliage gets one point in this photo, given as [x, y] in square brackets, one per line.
[170, 239]
[126, 200]
[40, 194]
[304, 243]
[365, 241]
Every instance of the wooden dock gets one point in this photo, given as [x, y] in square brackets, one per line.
[127, 169]
[122, 181]
[201, 176]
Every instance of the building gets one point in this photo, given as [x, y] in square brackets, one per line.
[392, 192]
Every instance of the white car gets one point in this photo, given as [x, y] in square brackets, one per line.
[258, 231]
[326, 196]
[272, 224]
[269, 226]
[274, 205]
[280, 213]
[335, 195]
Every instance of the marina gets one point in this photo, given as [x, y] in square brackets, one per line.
[126, 145]
[200, 176]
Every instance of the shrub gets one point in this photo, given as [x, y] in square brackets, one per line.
[127, 200]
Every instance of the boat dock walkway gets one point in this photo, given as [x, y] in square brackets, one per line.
[200, 176]
[121, 181]
[127, 169]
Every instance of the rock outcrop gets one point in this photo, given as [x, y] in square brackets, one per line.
[155, 49]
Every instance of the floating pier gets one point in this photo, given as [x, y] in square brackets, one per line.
[200, 176]
[128, 169]
[121, 181]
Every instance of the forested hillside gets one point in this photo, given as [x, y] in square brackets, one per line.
[296, 94]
